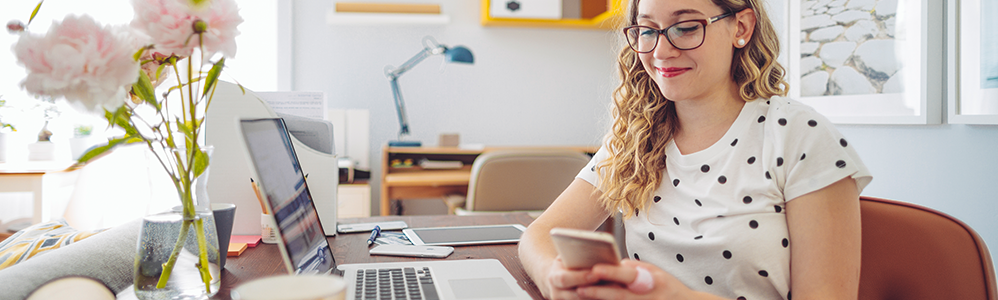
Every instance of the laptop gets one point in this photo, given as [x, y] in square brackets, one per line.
[304, 248]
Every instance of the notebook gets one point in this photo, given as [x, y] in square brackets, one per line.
[304, 249]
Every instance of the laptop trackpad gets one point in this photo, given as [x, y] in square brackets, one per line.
[480, 288]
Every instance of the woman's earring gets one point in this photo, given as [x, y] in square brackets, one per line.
[741, 42]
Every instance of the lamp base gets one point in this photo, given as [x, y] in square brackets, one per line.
[404, 144]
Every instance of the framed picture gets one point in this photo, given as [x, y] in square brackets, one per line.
[973, 71]
[868, 61]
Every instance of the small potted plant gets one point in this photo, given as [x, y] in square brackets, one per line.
[44, 149]
[4, 128]
[80, 140]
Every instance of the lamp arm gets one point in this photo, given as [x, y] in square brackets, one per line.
[400, 108]
[393, 75]
[412, 62]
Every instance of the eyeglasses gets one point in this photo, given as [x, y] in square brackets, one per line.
[685, 35]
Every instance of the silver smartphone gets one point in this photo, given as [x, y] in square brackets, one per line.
[581, 249]
[413, 250]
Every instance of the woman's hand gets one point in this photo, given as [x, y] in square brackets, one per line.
[626, 282]
[561, 283]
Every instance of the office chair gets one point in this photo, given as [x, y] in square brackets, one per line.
[913, 252]
[519, 180]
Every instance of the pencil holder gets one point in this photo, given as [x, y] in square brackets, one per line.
[268, 229]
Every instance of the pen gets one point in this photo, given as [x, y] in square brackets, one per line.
[374, 235]
[256, 190]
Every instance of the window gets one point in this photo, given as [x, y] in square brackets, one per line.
[254, 66]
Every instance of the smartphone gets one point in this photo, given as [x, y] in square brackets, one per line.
[367, 227]
[413, 250]
[581, 249]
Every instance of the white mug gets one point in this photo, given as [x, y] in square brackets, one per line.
[292, 287]
[268, 229]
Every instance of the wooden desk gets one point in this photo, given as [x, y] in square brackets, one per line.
[28, 177]
[418, 183]
[265, 260]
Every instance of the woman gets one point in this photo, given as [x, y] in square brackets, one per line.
[728, 191]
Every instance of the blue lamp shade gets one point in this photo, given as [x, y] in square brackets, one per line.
[459, 54]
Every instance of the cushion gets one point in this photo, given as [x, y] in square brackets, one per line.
[108, 258]
[37, 240]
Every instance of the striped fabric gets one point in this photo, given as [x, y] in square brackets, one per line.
[38, 239]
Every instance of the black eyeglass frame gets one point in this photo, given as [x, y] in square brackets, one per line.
[660, 32]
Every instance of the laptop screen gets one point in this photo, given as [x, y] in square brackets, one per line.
[283, 185]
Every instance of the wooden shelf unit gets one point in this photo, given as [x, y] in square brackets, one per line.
[418, 183]
[608, 19]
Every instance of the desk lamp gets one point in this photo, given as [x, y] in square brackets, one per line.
[430, 47]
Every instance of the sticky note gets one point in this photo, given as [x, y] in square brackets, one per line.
[250, 240]
[235, 249]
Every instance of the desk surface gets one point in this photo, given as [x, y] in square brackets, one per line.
[33, 167]
[265, 260]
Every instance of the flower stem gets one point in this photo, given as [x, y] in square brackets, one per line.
[190, 218]
[168, 265]
[203, 257]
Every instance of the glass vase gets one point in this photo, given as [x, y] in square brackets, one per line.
[170, 235]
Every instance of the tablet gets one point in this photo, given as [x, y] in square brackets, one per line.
[465, 235]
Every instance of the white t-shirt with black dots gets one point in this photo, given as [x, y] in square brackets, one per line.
[717, 222]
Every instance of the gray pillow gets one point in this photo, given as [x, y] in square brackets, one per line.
[108, 257]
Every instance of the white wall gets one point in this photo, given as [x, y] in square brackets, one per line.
[534, 86]
[950, 168]
[527, 86]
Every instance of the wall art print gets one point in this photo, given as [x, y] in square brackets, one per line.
[973, 73]
[865, 61]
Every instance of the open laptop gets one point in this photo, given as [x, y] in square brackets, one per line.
[304, 248]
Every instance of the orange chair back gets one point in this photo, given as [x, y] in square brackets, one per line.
[913, 252]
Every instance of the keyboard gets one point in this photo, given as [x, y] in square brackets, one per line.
[395, 283]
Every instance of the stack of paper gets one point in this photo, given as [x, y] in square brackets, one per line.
[440, 164]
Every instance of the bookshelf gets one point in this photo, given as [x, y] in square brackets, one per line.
[594, 15]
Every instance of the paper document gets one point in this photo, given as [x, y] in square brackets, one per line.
[440, 164]
[392, 238]
[302, 104]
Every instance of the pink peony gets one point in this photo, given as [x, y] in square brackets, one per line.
[170, 24]
[92, 66]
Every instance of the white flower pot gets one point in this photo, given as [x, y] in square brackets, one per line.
[41, 151]
[3, 147]
[79, 145]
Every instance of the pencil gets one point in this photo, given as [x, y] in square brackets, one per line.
[256, 190]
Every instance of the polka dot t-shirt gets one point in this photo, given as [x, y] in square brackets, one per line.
[718, 222]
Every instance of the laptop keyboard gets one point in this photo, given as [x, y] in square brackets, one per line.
[395, 283]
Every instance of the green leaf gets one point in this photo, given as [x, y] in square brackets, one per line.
[184, 128]
[138, 54]
[159, 70]
[169, 141]
[144, 89]
[120, 118]
[96, 152]
[35, 12]
[216, 70]
[200, 162]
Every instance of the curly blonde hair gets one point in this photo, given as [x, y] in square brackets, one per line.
[645, 121]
